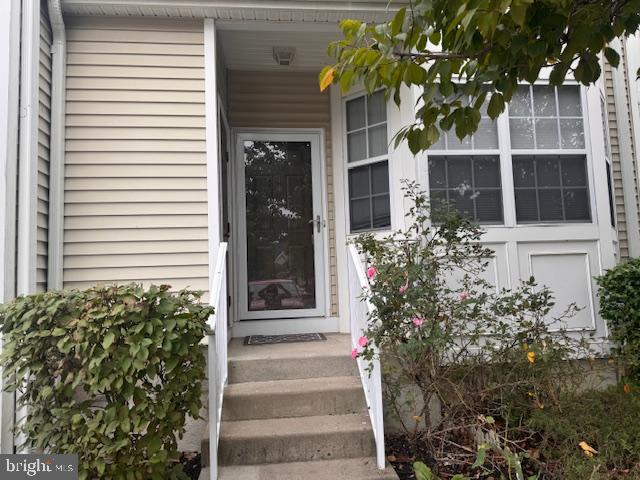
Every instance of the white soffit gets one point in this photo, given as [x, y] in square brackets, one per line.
[243, 10]
[253, 50]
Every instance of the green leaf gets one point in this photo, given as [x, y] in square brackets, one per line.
[612, 57]
[398, 21]
[480, 457]
[108, 340]
[423, 472]
[496, 105]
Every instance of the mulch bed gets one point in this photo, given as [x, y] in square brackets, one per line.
[402, 452]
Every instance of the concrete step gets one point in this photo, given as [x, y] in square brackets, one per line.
[291, 361]
[351, 468]
[302, 439]
[293, 398]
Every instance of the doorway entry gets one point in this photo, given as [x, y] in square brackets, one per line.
[280, 225]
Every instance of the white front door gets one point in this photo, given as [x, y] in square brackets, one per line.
[281, 238]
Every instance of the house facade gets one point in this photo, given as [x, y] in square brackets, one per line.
[138, 136]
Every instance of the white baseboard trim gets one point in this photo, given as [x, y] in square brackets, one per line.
[285, 326]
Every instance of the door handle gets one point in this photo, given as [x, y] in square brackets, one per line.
[318, 222]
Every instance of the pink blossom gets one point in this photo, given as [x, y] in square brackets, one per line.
[354, 353]
[371, 272]
[404, 287]
[463, 296]
[417, 321]
[363, 341]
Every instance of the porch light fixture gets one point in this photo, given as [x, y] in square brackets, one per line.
[284, 55]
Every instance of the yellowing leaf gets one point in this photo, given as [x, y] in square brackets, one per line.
[531, 356]
[417, 418]
[326, 78]
[588, 450]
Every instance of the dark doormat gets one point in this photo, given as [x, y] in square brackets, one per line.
[293, 338]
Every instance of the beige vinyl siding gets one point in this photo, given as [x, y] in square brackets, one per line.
[288, 100]
[135, 172]
[614, 131]
[44, 124]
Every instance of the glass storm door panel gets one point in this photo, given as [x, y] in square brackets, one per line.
[282, 228]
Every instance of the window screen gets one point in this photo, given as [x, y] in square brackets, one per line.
[551, 188]
[369, 203]
[469, 183]
[543, 117]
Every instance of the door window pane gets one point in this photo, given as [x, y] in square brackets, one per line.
[551, 188]
[279, 225]
[470, 184]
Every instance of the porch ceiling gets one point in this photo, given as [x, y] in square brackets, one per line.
[244, 10]
[253, 49]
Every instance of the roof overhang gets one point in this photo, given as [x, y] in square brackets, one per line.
[239, 10]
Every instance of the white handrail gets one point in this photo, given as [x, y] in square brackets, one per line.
[217, 354]
[370, 374]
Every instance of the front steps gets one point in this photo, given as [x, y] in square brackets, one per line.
[295, 411]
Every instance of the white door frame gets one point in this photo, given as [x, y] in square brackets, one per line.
[315, 137]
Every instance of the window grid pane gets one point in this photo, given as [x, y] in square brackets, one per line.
[371, 209]
[546, 118]
[367, 127]
[471, 184]
[551, 189]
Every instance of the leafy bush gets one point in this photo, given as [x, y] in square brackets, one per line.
[483, 358]
[620, 306]
[112, 374]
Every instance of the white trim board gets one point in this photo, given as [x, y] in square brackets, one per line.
[286, 326]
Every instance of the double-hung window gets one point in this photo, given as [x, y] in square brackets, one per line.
[466, 174]
[368, 163]
[548, 153]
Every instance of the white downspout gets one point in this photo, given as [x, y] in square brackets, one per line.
[9, 118]
[57, 145]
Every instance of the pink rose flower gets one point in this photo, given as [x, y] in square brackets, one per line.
[363, 341]
[354, 353]
[417, 321]
[463, 296]
[371, 272]
[404, 287]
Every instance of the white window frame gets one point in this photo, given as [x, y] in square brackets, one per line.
[506, 153]
[366, 161]
[471, 152]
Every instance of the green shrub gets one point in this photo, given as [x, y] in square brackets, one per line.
[112, 374]
[620, 307]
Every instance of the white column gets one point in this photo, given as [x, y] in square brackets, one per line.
[212, 142]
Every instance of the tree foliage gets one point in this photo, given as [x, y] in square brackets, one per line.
[468, 55]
